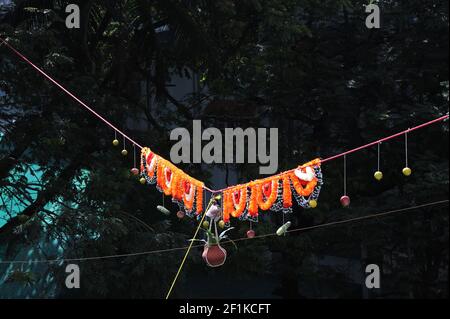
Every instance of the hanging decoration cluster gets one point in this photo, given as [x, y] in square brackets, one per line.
[242, 201]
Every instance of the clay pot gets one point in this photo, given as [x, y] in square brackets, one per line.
[214, 255]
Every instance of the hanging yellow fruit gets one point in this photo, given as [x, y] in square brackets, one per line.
[142, 180]
[205, 224]
[378, 175]
[313, 203]
[115, 142]
[124, 152]
[221, 224]
[406, 171]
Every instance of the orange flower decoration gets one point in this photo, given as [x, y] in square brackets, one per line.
[199, 199]
[188, 191]
[304, 179]
[234, 202]
[300, 187]
[287, 194]
[165, 175]
[267, 192]
[188, 194]
[253, 202]
[149, 162]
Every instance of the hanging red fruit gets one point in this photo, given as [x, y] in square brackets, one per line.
[134, 171]
[251, 233]
[180, 214]
[345, 201]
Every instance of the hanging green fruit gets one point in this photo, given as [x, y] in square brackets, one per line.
[283, 229]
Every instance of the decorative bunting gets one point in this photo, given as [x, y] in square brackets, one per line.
[241, 201]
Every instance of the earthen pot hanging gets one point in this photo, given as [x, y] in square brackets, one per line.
[214, 255]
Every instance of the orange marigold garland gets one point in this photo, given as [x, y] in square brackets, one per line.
[191, 195]
[234, 202]
[267, 192]
[287, 194]
[242, 201]
[188, 195]
[186, 191]
[164, 176]
[199, 197]
[284, 200]
[149, 162]
[252, 211]
[306, 182]
[274, 193]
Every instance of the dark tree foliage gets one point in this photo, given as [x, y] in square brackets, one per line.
[309, 67]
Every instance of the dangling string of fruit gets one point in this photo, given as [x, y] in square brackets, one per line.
[134, 171]
[378, 174]
[345, 199]
[124, 150]
[406, 170]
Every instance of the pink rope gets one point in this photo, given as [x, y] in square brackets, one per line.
[69, 93]
[439, 119]
[385, 138]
